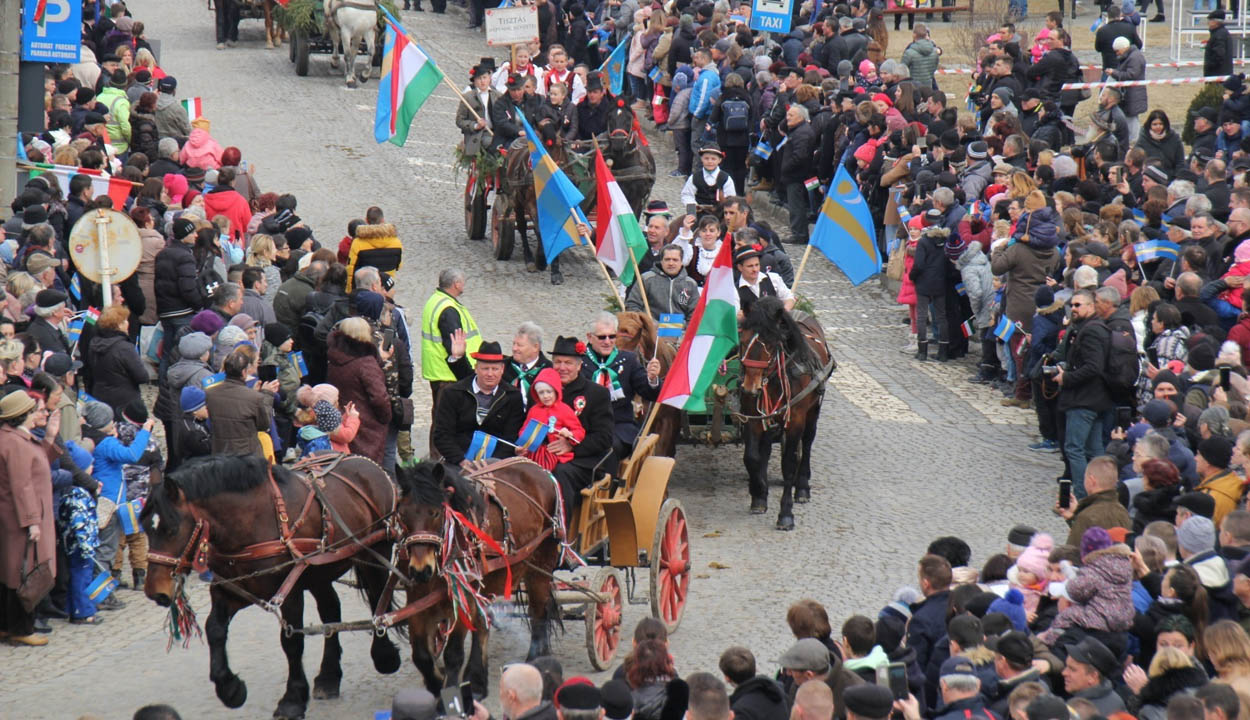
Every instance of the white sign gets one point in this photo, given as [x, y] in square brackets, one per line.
[509, 26]
[771, 15]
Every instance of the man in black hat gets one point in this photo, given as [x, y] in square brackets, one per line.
[1013, 663]
[506, 112]
[1217, 58]
[481, 98]
[1030, 110]
[868, 702]
[1206, 121]
[576, 700]
[1228, 139]
[710, 185]
[1087, 674]
[179, 292]
[593, 405]
[50, 312]
[480, 402]
[592, 111]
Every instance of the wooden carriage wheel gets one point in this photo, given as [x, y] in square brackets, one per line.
[603, 620]
[670, 565]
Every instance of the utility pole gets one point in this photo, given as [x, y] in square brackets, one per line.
[10, 55]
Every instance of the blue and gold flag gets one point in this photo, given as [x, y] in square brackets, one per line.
[101, 587]
[845, 232]
[614, 66]
[482, 446]
[1152, 250]
[128, 516]
[671, 324]
[297, 359]
[1005, 329]
[532, 437]
[556, 197]
[213, 381]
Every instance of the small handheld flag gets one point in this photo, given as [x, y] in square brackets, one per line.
[1005, 329]
[75, 287]
[961, 290]
[194, 107]
[763, 150]
[297, 359]
[128, 515]
[1152, 250]
[101, 587]
[532, 437]
[91, 315]
[213, 381]
[670, 325]
[655, 74]
[811, 183]
[74, 331]
[482, 446]
[1098, 22]
[967, 328]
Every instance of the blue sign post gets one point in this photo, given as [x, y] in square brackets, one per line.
[51, 31]
[771, 15]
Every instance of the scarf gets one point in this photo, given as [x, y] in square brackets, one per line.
[1159, 136]
[604, 374]
[706, 258]
[525, 378]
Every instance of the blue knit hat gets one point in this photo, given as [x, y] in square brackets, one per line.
[192, 399]
[80, 455]
[1012, 605]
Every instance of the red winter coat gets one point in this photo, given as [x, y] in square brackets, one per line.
[565, 419]
[231, 204]
[356, 370]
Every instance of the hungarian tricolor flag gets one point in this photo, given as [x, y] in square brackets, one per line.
[409, 77]
[711, 334]
[618, 233]
[194, 107]
[101, 184]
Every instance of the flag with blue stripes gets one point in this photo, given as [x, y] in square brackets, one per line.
[655, 74]
[75, 287]
[128, 515]
[1152, 250]
[1139, 215]
[482, 446]
[960, 289]
[556, 197]
[101, 587]
[1005, 329]
[21, 150]
[213, 381]
[532, 436]
[670, 324]
[74, 330]
[297, 359]
[1098, 22]
[763, 150]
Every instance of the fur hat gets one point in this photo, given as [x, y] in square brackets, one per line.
[1036, 557]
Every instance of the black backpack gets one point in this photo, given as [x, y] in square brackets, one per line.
[1123, 362]
[735, 115]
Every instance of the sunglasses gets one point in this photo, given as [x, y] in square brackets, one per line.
[606, 337]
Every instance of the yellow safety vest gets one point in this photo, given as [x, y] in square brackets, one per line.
[434, 365]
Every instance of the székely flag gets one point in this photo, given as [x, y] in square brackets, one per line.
[618, 234]
[213, 381]
[482, 446]
[1005, 329]
[556, 198]
[712, 332]
[194, 107]
[1152, 250]
[614, 66]
[409, 77]
[532, 436]
[101, 587]
[845, 232]
[670, 325]
[118, 189]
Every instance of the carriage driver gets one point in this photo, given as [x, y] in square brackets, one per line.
[755, 284]
[505, 112]
[593, 405]
[592, 111]
[481, 98]
[478, 402]
[622, 373]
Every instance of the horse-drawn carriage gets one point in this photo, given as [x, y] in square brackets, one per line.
[456, 543]
[314, 29]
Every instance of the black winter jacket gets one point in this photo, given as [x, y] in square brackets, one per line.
[457, 419]
[929, 270]
[759, 698]
[117, 371]
[796, 157]
[1085, 349]
[178, 290]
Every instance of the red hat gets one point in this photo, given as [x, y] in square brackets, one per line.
[882, 97]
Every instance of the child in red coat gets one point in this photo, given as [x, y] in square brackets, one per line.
[548, 408]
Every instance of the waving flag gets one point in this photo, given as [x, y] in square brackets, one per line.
[670, 325]
[618, 233]
[712, 332]
[532, 437]
[408, 79]
[845, 231]
[194, 107]
[1152, 250]
[118, 189]
[101, 587]
[482, 446]
[614, 66]
[1005, 329]
[556, 198]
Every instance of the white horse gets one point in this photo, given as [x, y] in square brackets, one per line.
[347, 23]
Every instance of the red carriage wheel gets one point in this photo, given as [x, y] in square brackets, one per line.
[670, 565]
[603, 619]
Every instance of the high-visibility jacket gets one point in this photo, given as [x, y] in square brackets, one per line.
[434, 365]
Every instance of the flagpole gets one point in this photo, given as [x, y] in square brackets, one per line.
[642, 289]
[802, 264]
[449, 84]
[602, 268]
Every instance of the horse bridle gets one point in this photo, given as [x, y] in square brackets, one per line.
[195, 549]
[767, 407]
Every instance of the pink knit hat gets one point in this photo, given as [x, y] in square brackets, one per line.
[1242, 252]
[176, 186]
[1036, 557]
[866, 67]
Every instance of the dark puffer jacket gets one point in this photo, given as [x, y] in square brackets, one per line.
[177, 285]
[117, 371]
[931, 266]
[355, 368]
[759, 698]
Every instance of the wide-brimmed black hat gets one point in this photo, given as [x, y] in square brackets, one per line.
[712, 148]
[568, 346]
[516, 81]
[488, 352]
[594, 81]
[745, 253]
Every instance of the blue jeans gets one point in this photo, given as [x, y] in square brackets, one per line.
[1082, 442]
[170, 328]
[81, 573]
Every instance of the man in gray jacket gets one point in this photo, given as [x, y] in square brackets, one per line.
[668, 288]
[171, 116]
[1131, 65]
[980, 170]
[921, 57]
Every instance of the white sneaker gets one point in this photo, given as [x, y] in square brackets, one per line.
[910, 348]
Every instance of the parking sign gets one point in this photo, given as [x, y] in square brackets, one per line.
[51, 30]
[771, 15]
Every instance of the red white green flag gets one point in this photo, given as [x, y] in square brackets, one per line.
[194, 107]
[618, 233]
[101, 184]
[710, 335]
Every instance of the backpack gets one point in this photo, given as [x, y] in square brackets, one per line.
[735, 115]
[1123, 363]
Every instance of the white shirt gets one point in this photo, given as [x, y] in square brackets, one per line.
[783, 292]
[687, 190]
[500, 78]
[577, 90]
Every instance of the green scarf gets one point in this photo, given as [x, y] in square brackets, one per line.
[525, 378]
[604, 374]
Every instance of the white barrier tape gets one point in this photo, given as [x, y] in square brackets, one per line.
[963, 70]
[1138, 83]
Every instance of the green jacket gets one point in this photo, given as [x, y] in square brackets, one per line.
[118, 125]
[1098, 510]
[288, 377]
[921, 57]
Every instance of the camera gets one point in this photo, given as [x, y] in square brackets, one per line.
[1054, 369]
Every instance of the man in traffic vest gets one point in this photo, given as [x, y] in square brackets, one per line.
[448, 337]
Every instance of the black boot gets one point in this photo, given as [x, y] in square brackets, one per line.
[922, 351]
[943, 351]
[986, 374]
[140, 577]
[417, 6]
[117, 575]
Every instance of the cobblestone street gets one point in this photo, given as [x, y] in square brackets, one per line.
[906, 452]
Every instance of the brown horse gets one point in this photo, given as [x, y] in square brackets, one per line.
[225, 510]
[638, 333]
[785, 363]
[514, 502]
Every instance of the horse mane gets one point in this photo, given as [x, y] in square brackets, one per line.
[769, 321]
[427, 483]
[205, 477]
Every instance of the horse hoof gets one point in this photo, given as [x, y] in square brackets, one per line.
[531, 267]
[802, 497]
[785, 522]
[351, 83]
[269, 44]
[759, 506]
[386, 659]
[325, 689]
[232, 692]
[289, 711]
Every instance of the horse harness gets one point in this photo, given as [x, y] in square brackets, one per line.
[332, 6]
[770, 407]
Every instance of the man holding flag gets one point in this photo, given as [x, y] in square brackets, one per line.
[478, 403]
[622, 374]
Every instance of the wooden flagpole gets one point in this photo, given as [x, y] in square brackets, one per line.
[449, 84]
[642, 289]
[802, 264]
